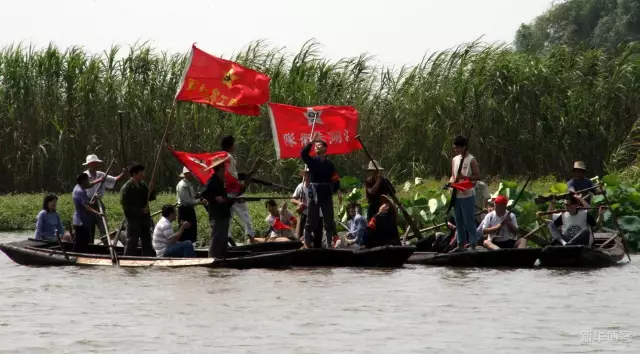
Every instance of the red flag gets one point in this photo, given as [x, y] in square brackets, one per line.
[279, 225]
[463, 186]
[223, 84]
[291, 128]
[198, 162]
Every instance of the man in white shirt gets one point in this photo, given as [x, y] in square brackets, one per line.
[165, 240]
[501, 230]
[187, 202]
[300, 199]
[96, 179]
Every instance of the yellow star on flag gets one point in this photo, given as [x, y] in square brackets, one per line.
[229, 78]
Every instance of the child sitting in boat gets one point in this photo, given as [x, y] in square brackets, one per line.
[357, 228]
[281, 222]
[48, 221]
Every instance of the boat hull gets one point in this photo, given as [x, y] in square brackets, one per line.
[378, 257]
[583, 256]
[507, 258]
[34, 256]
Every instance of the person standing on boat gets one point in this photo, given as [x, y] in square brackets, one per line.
[187, 202]
[166, 242]
[464, 204]
[134, 198]
[236, 188]
[219, 209]
[382, 229]
[574, 226]
[301, 199]
[579, 182]
[96, 179]
[324, 181]
[376, 185]
[501, 231]
[48, 221]
[83, 215]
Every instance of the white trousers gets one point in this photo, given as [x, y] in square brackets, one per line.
[242, 209]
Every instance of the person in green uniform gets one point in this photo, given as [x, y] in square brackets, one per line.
[134, 198]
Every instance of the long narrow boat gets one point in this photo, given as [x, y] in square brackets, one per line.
[381, 257]
[508, 258]
[583, 256]
[37, 253]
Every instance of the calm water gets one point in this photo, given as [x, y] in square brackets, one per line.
[410, 310]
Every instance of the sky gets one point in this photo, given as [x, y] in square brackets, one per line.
[395, 32]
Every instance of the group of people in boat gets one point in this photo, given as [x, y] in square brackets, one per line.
[494, 226]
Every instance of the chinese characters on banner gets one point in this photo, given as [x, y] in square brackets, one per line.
[223, 84]
[291, 128]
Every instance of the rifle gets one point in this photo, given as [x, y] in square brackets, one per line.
[542, 199]
[506, 216]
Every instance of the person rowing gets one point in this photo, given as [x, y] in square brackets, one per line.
[579, 182]
[324, 182]
[382, 229]
[376, 185]
[501, 229]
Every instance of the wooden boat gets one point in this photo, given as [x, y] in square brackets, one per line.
[482, 257]
[39, 253]
[383, 257]
[583, 256]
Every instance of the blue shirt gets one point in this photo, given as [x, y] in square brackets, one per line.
[576, 185]
[81, 216]
[358, 228]
[47, 224]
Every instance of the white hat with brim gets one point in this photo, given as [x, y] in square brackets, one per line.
[372, 166]
[579, 165]
[217, 161]
[304, 170]
[91, 159]
[184, 171]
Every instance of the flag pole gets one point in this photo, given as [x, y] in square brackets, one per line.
[313, 126]
[164, 139]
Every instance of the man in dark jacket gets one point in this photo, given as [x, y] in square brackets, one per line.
[324, 182]
[134, 198]
[219, 209]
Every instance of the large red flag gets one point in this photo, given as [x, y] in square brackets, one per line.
[291, 128]
[223, 84]
[198, 162]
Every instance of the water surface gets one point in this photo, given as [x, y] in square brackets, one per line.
[411, 310]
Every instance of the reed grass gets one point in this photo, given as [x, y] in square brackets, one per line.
[530, 114]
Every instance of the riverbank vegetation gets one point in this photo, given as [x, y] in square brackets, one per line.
[530, 113]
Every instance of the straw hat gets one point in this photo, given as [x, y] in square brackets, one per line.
[579, 165]
[91, 159]
[216, 161]
[184, 170]
[373, 164]
[303, 171]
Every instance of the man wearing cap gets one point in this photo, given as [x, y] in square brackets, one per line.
[95, 179]
[501, 231]
[376, 185]
[215, 192]
[300, 199]
[324, 181]
[187, 201]
[579, 182]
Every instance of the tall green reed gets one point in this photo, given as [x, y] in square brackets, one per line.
[530, 113]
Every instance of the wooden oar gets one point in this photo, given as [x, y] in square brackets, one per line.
[542, 199]
[435, 227]
[508, 214]
[615, 222]
[64, 252]
[542, 213]
[106, 174]
[406, 215]
[112, 249]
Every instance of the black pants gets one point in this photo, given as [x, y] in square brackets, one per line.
[81, 243]
[314, 220]
[219, 237]
[317, 233]
[138, 229]
[188, 213]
